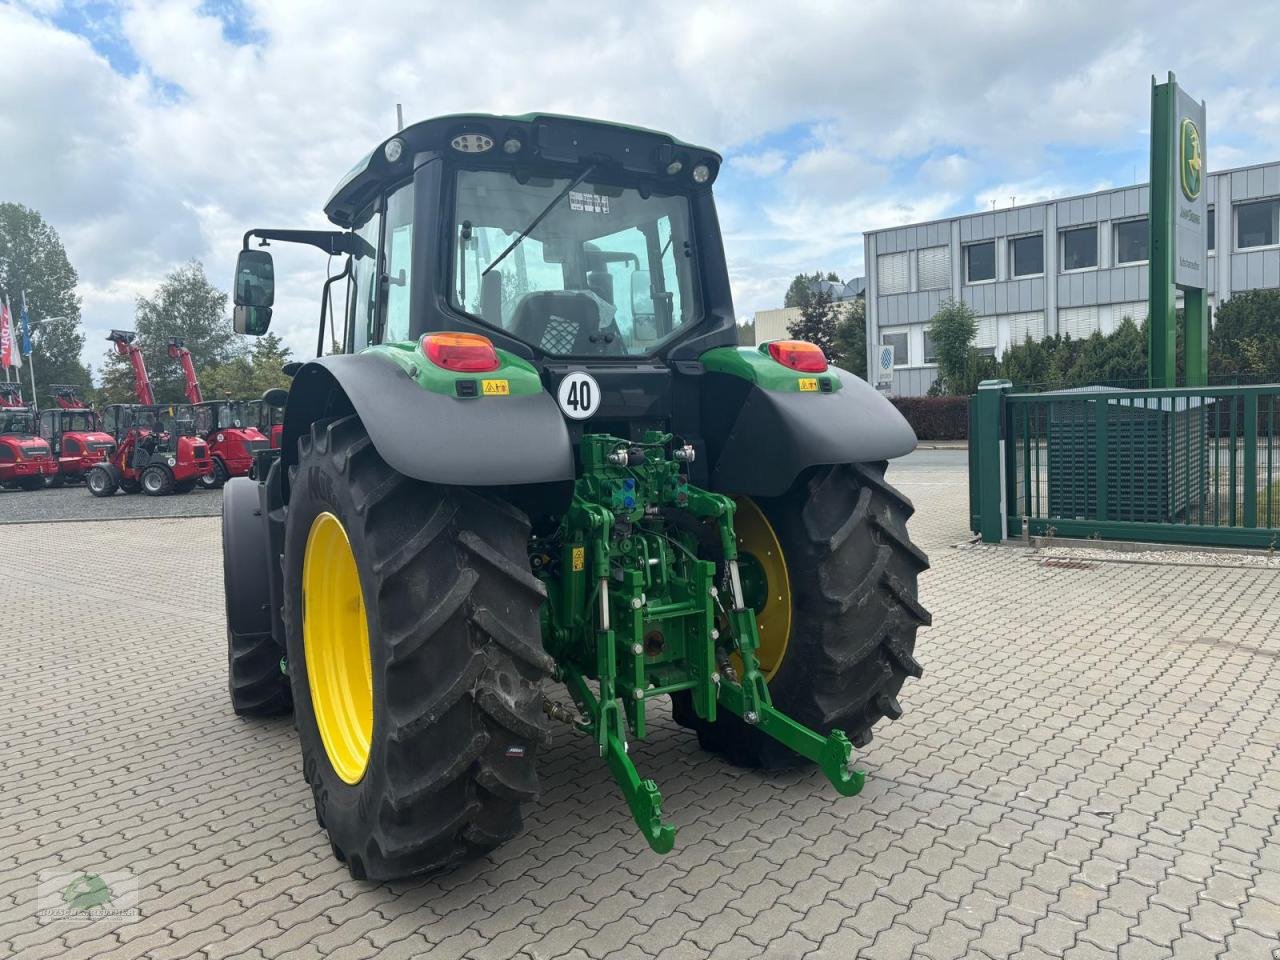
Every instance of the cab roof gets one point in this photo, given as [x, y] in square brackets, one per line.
[542, 136]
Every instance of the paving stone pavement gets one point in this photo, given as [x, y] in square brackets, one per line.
[1088, 769]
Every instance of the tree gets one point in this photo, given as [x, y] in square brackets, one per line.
[268, 356]
[851, 337]
[817, 323]
[801, 289]
[32, 259]
[952, 330]
[187, 306]
[747, 334]
[1244, 343]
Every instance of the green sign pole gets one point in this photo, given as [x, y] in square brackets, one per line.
[1162, 369]
[1179, 238]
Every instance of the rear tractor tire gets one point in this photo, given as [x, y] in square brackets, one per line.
[157, 480]
[850, 627]
[415, 658]
[101, 481]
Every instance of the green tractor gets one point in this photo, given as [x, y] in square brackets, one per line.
[541, 456]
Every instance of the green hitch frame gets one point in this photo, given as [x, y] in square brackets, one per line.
[633, 605]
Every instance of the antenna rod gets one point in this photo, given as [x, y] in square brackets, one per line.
[399, 118]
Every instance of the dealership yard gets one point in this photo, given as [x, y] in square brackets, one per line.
[1089, 768]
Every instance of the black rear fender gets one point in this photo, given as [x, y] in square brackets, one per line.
[507, 441]
[761, 440]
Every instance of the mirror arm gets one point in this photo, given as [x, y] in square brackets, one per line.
[324, 303]
[331, 242]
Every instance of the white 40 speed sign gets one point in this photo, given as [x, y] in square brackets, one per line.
[579, 395]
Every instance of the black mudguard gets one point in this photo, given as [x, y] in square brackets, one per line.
[246, 558]
[775, 436]
[484, 441]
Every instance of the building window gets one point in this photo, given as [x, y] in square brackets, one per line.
[1131, 241]
[1211, 224]
[933, 268]
[987, 329]
[891, 269]
[1027, 255]
[1079, 248]
[930, 351]
[899, 343]
[1078, 323]
[1257, 224]
[980, 262]
[1024, 325]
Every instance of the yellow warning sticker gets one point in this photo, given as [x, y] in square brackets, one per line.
[808, 384]
[579, 559]
[496, 388]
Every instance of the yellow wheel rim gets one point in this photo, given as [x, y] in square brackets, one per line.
[760, 554]
[335, 639]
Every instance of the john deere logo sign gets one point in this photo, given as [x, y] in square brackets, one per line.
[1190, 159]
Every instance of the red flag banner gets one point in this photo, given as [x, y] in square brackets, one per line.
[6, 336]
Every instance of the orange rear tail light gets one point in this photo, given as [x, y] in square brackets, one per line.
[461, 352]
[798, 355]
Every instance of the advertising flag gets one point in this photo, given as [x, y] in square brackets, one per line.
[26, 327]
[6, 336]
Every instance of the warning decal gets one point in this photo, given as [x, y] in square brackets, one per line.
[588, 202]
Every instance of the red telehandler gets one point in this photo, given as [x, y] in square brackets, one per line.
[74, 433]
[155, 447]
[25, 460]
[226, 425]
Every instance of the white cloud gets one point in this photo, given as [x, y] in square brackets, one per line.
[882, 114]
[764, 164]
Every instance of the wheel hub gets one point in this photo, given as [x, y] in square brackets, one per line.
[335, 638]
[765, 584]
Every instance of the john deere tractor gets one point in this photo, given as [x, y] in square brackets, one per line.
[541, 458]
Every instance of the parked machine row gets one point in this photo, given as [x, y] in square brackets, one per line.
[147, 447]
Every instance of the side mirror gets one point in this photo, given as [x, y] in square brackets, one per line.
[255, 284]
[641, 294]
[276, 397]
[251, 320]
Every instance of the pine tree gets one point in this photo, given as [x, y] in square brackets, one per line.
[817, 324]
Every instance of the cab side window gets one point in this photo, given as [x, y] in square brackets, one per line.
[397, 264]
[46, 425]
[362, 291]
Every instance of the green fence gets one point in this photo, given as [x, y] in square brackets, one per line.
[1195, 466]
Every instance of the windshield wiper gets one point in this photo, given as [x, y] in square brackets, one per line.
[538, 219]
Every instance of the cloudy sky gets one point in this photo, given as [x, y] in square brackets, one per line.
[149, 133]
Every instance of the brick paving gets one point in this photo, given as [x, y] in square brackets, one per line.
[1088, 769]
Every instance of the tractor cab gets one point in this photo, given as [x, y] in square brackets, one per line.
[230, 428]
[569, 244]
[74, 436]
[25, 459]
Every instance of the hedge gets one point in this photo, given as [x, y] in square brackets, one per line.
[935, 418]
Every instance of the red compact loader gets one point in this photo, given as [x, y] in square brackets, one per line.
[156, 450]
[74, 433]
[25, 460]
[226, 425]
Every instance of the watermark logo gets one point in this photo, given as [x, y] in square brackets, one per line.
[1191, 159]
[85, 896]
